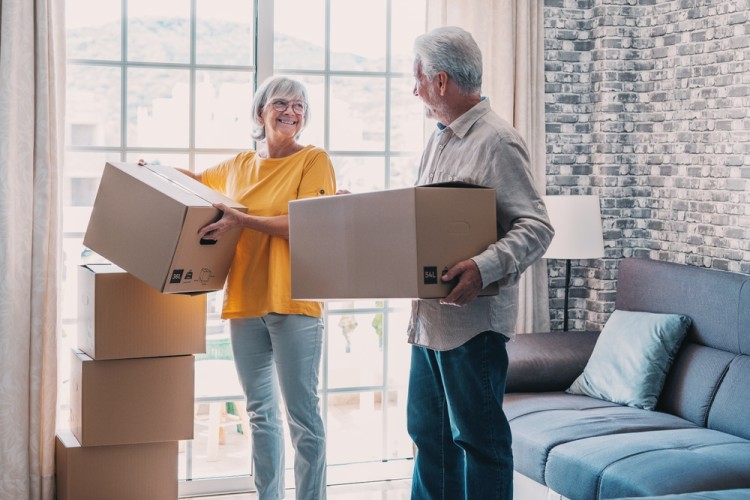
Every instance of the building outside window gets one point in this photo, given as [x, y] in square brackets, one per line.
[172, 82]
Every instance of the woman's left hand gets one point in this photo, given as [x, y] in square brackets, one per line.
[230, 219]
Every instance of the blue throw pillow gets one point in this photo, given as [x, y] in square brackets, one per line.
[631, 358]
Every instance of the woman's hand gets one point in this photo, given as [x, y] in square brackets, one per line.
[230, 219]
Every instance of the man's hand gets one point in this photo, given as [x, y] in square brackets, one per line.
[231, 218]
[469, 283]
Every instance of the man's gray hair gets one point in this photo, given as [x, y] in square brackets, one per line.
[453, 50]
[277, 87]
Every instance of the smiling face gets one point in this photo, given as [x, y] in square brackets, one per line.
[284, 118]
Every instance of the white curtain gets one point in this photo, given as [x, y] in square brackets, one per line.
[31, 130]
[510, 34]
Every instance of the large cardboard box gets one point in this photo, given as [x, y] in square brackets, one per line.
[146, 220]
[124, 472]
[119, 316]
[388, 244]
[130, 401]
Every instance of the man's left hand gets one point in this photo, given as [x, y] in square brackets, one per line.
[469, 283]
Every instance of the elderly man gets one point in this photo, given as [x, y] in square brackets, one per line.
[459, 362]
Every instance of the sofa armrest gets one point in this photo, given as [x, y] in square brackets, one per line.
[551, 361]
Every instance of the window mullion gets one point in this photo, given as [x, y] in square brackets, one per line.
[264, 40]
[192, 97]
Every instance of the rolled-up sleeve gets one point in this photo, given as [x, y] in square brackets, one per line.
[524, 229]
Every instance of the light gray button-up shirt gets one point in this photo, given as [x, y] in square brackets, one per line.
[481, 148]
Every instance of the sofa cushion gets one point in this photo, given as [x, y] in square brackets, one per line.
[716, 301]
[730, 411]
[540, 422]
[739, 494]
[649, 463]
[693, 381]
[547, 361]
[632, 357]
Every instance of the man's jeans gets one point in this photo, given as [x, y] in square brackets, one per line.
[456, 420]
[283, 351]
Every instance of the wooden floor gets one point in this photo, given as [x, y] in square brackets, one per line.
[381, 490]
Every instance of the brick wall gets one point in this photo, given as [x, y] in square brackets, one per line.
[647, 106]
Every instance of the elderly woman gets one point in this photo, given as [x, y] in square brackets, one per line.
[273, 336]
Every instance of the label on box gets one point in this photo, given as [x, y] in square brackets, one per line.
[430, 275]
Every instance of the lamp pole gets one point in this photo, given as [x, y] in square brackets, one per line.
[567, 293]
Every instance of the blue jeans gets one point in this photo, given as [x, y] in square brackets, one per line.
[280, 355]
[455, 417]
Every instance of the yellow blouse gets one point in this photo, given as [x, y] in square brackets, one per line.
[259, 280]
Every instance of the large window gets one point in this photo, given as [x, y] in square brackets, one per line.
[172, 82]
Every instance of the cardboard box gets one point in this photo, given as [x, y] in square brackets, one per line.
[388, 244]
[125, 472]
[131, 401]
[119, 317]
[146, 220]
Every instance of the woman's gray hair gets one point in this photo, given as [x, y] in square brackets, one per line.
[453, 50]
[277, 87]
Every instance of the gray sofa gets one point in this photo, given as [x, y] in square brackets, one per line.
[695, 443]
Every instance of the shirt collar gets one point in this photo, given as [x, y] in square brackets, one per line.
[461, 125]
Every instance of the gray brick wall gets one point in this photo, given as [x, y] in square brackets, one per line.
[647, 106]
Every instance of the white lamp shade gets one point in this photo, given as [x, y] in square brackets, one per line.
[577, 221]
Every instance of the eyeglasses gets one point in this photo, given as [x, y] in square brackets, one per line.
[298, 107]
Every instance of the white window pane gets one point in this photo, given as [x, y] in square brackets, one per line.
[93, 106]
[357, 114]
[158, 107]
[359, 174]
[354, 431]
[224, 32]
[83, 171]
[358, 35]
[204, 161]
[403, 171]
[399, 350]
[407, 22]
[223, 114]
[176, 160]
[159, 31]
[93, 29]
[355, 351]
[354, 304]
[299, 34]
[407, 116]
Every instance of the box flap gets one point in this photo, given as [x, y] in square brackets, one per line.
[103, 268]
[193, 187]
[66, 437]
[454, 184]
[162, 184]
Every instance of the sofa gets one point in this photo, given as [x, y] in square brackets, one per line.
[694, 443]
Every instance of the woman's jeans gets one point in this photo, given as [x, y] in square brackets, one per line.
[283, 352]
[456, 420]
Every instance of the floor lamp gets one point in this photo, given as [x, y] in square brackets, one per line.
[578, 233]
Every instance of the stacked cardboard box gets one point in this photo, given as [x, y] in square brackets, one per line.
[131, 388]
[132, 379]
